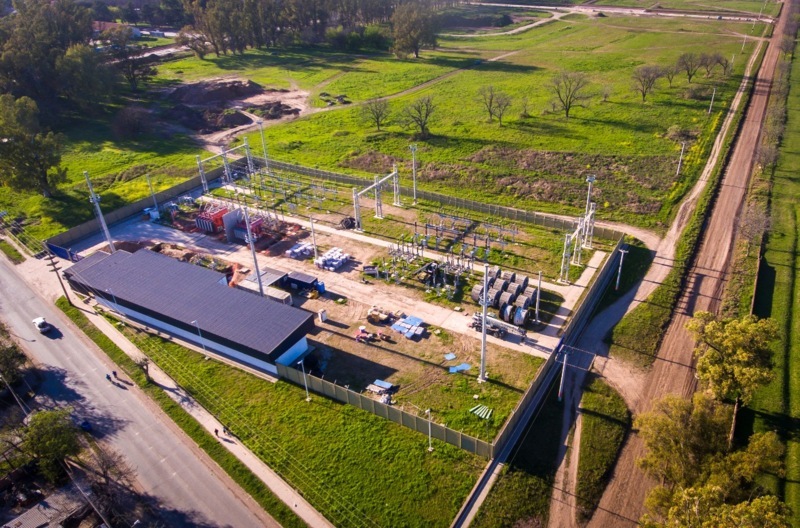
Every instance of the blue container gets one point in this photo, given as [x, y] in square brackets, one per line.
[321, 287]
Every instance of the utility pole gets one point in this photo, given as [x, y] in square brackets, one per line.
[55, 269]
[485, 304]
[96, 201]
[590, 180]
[263, 144]
[714, 93]
[619, 270]
[414, 169]
[680, 160]
[564, 356]
[153, 194]
[253, 250]
[313, 237]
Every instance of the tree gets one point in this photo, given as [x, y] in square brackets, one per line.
[135, 68]
[376, 111]
[733, 356]
[111, 477]
[30, 158]
[193, 40]
[11, 362]
[681, 436]
[570, 90]
[85, 79]
[761, 512]
[486, 95]
[502, 102]
[51, 437]
[690, 63]
[418, 114]
[786, 45]
[412, 29]
[669, 72]
[753, 224]
[496, 103]
[644, 79]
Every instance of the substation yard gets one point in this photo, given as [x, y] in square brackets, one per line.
[419, 369]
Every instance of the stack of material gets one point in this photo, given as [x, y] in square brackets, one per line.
[301, 250]
[332, 260]
[482, 411]
[411, 327]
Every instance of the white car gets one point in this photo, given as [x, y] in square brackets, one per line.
[42, 325]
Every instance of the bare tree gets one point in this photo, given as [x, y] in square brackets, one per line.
[570, 90]
[112, 479]
[502, 101]
[487, 95]
[525, 107]
[377, 112]
[418, 114]
[669, 71]
[144, 364]
[690, 63]
[753, 224]
[787, 45]
[767, 154]
[644, 79]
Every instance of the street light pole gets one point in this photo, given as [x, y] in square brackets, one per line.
[305, 381]
[200, 335]
[430, 441]
[619, 271]
[590, 180]
[263, 144]
[414, 169]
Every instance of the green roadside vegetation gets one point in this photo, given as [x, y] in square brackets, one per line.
[777, 407]
[521, 495]
[11, 252]
[227, 461]
[634, 267]
[605, 420]
[637, 336]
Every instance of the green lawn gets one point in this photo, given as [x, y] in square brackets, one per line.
[605, 421]
[11, 252]
[330, 451]
[777, 407]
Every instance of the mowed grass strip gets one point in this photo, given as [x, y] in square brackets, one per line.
[11, 252]
[604, 422]
[329, 451]
[777, 407]
[240, 473]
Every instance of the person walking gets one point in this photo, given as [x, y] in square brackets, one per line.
[114, 373]
[216, 433]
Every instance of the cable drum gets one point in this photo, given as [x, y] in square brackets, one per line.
[507, 298]
[523, 302]
[522, 279]
[508, 313]
[476, 293]
[515, 288]
[520, 316]
[508, 275]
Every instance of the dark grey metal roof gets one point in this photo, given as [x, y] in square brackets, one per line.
[186, 293]
[302, 277]
[269, 276]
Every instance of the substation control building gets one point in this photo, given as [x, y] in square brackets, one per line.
[196, 305]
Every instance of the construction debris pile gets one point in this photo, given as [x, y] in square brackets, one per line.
[332, 260]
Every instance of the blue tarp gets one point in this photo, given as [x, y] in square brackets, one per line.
[383, 384]
[449, 356]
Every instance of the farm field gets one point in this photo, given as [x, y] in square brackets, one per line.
[721, 6]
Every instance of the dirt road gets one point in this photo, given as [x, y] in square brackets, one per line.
[673, 371]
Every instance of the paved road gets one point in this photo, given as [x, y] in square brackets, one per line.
[190, 493]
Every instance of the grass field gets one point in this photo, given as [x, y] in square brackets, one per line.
[11, 252]
[720, 6]
[777, 407]
[521, 495]
[605, 421]
[330, 451]
[533, 162]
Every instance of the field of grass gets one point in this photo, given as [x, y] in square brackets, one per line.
[721, 6]
[605, 421]
[11, 252]
[634, 267]
[777, 407]
[536, 162]
[637, 336]
[521, 495]
[330, 451]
